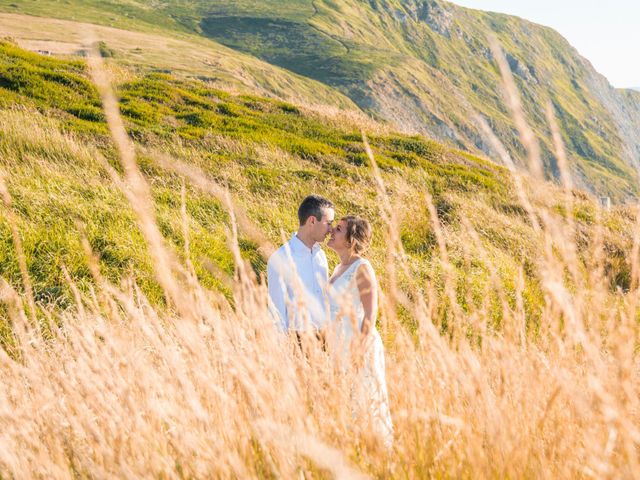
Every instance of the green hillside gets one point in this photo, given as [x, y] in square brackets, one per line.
[145, 47]
[270, 154]
[424, 66]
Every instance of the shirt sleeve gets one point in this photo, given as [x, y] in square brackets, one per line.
[326, 266]
[276, 286]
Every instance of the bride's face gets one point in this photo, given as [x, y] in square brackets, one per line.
[338, 239]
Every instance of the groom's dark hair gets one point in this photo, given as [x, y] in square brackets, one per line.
[313, 205]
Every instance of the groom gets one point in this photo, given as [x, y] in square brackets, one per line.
[297, 272]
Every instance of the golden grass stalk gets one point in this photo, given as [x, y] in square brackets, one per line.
[17, 243]
[514, 103]
[200, 180]
[137, 190]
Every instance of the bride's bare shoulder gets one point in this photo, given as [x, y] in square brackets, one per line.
[365, 271]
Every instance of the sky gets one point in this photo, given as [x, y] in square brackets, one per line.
[607, 32]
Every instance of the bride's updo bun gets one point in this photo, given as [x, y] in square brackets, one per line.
[358, 233]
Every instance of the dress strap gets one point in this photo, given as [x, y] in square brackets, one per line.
[350, 272]
[362, 261]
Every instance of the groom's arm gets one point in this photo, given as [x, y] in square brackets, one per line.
[276, 287]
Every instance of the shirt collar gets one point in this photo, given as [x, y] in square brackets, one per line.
[298, 245]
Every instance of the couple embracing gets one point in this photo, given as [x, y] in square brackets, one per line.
[304, 298]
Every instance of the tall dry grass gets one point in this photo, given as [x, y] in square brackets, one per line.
[118, 388]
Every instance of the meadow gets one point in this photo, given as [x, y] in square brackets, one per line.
[135, 334]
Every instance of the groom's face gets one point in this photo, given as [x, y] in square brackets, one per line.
[323, 227]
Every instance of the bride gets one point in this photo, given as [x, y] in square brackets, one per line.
[353, 295]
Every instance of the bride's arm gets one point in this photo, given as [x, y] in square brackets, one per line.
[368, 288]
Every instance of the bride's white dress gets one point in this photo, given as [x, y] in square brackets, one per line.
[347, 315]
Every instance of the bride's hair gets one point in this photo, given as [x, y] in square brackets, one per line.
[358, 233]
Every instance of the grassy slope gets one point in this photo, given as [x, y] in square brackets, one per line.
[269, 153]
[146, 47]
[425, 67]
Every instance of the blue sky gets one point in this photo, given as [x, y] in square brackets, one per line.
[606, 32]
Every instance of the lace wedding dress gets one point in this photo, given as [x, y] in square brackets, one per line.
[347, 315]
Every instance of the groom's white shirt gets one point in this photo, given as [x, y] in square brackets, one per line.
[297, 278]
